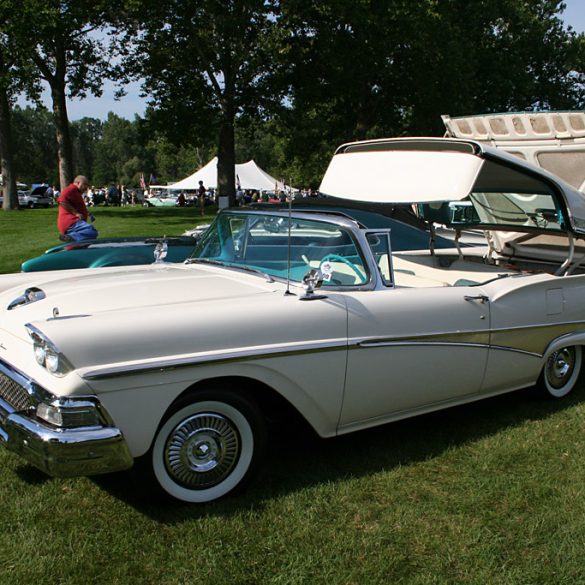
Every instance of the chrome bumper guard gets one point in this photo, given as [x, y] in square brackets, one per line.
[61, 452]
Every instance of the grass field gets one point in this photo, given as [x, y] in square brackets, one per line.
[486, 494]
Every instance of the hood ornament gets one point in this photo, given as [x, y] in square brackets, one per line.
[160, 251]
[30, 295]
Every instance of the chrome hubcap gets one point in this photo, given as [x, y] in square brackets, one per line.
[559, 367]
[202, 450]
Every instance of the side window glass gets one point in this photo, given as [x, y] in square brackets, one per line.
[380, 246]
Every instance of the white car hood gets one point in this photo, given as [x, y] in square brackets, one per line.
[106, 316]
[71, 294]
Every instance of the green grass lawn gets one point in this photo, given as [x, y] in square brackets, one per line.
[486, 494]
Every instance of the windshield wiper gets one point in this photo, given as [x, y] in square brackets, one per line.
[205, 261]
[253, 270]
[234, 266]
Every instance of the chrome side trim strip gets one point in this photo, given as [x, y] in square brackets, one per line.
[214, 358]
[478, 339]
[385, 343]
[367, 344]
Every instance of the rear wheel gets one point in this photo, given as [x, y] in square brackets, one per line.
[210, 445]
[561, 371]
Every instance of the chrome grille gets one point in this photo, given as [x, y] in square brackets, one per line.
[14, 394]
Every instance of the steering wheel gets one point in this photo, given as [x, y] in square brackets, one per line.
[337, 258]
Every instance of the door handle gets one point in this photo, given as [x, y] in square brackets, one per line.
[481, 298]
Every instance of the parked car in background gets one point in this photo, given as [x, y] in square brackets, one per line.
[112, 252]
[162, 200]
[282, 311]
[39, 196]
[122, 251]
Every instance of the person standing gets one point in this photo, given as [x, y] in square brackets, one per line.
[72, 221]
[201, 195]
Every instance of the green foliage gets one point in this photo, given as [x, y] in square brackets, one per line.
[120, 144]
[292, 80]
[86, 134]
[363, 69]
[203, 64]
[35, 148]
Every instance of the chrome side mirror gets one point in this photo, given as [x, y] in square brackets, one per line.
[312, 281]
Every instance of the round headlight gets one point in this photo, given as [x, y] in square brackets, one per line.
[40, 354]
[52, 361]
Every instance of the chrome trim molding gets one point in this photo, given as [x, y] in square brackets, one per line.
[478, 339]
[213, 358]
[369, 344]
[35, 333]
[30, 295]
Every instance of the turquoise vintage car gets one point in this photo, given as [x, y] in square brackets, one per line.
[113, 252]
[161, 201]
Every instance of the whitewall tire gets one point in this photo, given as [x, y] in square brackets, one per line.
[562, 371]
[208, 447]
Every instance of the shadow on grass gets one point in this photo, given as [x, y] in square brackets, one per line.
[297, 459]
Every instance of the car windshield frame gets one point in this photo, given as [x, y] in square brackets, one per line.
[259, 241]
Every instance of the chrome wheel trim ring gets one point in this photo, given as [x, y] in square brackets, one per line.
[562, 369]
[202, 450]
[203, 494]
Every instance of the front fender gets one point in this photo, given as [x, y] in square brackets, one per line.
[137, 403]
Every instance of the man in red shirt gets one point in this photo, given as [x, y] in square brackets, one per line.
[73, 215]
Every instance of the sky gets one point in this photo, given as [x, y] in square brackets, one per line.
[132, 104]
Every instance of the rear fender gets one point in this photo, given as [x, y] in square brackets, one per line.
[570, 339]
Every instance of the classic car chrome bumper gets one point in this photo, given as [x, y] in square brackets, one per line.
[58, 452]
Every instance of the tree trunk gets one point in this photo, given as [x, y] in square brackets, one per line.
[6, 159]
[64, 149]
[226, 156]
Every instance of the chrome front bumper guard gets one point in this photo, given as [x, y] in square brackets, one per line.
[62, 452]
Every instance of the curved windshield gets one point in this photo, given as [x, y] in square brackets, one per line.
[261, 242]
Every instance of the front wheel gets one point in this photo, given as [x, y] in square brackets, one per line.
[210, 445]
[561, 371]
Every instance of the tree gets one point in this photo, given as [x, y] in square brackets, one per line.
[10, 199]
[119, 144]
[86, 135]
[361, 68]
[35, 151]
[69, 56]
[204, 63]
[14, 77]
[491, 56]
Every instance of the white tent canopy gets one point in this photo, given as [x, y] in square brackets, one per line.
[248, 176]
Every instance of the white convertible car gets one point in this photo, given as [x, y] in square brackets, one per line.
[184, 364]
